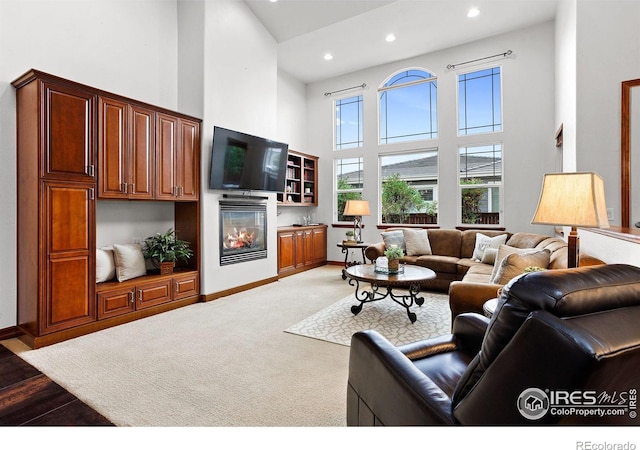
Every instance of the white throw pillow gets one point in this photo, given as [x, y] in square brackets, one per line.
[395, 237]
[417, 242]
[105, 266]
[484, 242]
[129, 261]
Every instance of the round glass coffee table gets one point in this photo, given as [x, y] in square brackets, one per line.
[409, 278]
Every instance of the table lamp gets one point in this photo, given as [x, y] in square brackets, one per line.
[357, 209]
[573, 199]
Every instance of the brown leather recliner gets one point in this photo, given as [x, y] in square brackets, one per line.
[559, 342]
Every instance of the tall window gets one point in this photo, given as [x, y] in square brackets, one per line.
[479, 102]
[348, 123]
[348, 179]
[480, 184]
[408, 109]
[409, 191]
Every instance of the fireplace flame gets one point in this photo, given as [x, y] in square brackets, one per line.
[239, 239]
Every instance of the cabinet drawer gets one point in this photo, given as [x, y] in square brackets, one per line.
[152, 294]
[115, 302]
[185, 286]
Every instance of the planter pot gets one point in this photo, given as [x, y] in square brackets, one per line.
[393, 265]
[166, 268]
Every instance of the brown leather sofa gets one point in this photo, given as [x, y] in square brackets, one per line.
[466, 280]
[561, 331]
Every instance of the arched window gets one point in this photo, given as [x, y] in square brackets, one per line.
[408, 107]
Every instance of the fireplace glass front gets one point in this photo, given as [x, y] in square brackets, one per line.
[243, 231]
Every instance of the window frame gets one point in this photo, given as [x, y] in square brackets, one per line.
[483, 185]
[335, 118]
[337, 191]
[383, 88]
[457, 88]
[436, 187]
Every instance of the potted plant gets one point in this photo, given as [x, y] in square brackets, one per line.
[164, 249]
[393, 254]
[349, 239]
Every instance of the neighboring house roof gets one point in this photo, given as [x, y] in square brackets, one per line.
[426, 169]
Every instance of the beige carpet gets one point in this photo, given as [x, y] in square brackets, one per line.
[337, 324]
[223, 363]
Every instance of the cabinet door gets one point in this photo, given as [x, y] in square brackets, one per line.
[188, 161]
[308, 247]
[69, 256]
[286, 251]
[166, 141]
[153, 293]
[185, 286]
[319, 244]
[141, 153]
[116, 302]
[112, 148]
[68, 145]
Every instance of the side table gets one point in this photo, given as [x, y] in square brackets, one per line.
[345, 249]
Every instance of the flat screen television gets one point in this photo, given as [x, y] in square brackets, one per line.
[240, 161]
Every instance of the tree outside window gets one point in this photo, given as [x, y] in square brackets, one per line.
[349, 176]
[480, 184]
[409, 187]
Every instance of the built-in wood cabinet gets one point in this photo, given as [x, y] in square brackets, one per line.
[126, 150]
[301, 184]
[301, 248]
[75, 145]
[68, 256]
[177, 165]
[67, 113]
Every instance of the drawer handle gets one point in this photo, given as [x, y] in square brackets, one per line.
[130, 296]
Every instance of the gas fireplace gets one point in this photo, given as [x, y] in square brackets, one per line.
[243, 231]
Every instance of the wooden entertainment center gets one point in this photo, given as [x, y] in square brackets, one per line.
[76, 145]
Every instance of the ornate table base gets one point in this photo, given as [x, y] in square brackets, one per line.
[406, 301]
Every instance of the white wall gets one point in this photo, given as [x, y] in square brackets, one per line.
[101, 44]
[565, 69]
[602, 65]
[240, 93]
[529, 127]
[598, 47]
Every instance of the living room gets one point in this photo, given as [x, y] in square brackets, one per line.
[216, 61]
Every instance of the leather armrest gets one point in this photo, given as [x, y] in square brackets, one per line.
[469, 330]
[373, 251]
[393, 387]
[467, 296]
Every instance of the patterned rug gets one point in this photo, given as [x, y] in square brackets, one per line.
[337, 324]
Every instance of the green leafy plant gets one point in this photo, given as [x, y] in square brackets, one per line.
[349, 233]
[394, 252]
[166, 247]
[398, 199]
[471, 201]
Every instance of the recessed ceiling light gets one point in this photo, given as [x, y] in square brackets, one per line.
[273, 1]
[390, 37]
[473, 12]
[328, 56]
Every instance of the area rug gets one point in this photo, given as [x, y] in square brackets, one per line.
[337, 324]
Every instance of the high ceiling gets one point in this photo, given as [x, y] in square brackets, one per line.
[354, 31]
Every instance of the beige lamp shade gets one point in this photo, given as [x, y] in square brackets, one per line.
[357, 208]
[572, 199]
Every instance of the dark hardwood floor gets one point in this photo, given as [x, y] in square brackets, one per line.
[28, 397]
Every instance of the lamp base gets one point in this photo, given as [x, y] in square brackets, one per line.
[573, 250]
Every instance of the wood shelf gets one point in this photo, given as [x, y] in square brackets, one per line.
[302, 174]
